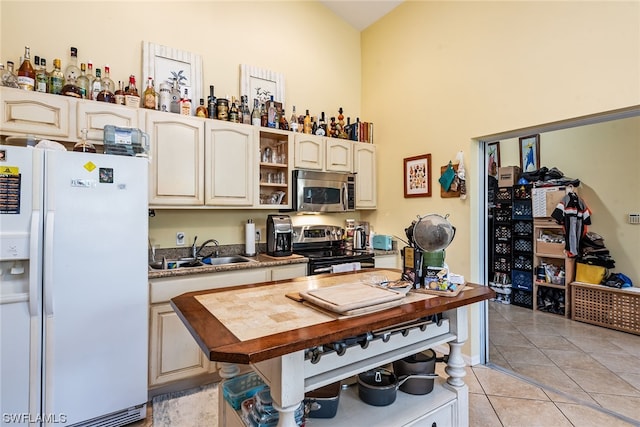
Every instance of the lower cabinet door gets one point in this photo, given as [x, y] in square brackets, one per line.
[174, 353]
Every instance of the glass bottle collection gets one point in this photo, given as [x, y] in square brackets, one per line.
[80, 82]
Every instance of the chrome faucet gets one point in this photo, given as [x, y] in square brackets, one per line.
[195, 251]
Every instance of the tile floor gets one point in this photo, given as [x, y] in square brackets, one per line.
[544, 370]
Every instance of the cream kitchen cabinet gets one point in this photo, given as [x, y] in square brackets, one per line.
[93, 116]
[229, 164]
[176, 172]
[364, 166]
[41, 114]
[274, 170]
[173, 353]
[321, 153]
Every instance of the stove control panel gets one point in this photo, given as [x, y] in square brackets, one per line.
[317, 233]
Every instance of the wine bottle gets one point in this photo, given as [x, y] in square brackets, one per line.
[246, 114]
[233, 112]
[322, 126]
[118, 95]
[92, 78]
[26, 72]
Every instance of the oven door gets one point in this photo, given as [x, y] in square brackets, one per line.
[322, 266]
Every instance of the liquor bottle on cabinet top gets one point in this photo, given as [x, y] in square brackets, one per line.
[118, 95]
[284, 125]
[294, 121]
[71, 89]
[263, 115]
[255, 115]
[42, 80]
[105, 94]
[9, 79]
[56, 78]
[322, 126]
[201, 111]
[314, 125]
[96, 86]
[83, 81]
[174, 106]
[26, 72]
[106, 79]
[131, 96]
[92, 78]
[185, 104]
[72, 72]
[149, 95]
[307, 123]
[164, 98]
[233, 112]
[246, 114]
[211, 103]
[271, 114]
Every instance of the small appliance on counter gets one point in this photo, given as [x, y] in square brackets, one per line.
[279, 235]
[382, 242]
[361, 235]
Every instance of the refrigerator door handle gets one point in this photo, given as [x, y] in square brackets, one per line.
[34, 267]
[48, 264]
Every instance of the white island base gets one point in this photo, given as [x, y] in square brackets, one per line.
[290, 376]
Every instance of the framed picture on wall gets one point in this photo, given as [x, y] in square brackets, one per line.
[417, 176]
[258, 83]
[493, 158]
[530, 153]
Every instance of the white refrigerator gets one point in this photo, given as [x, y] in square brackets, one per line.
[73, 288]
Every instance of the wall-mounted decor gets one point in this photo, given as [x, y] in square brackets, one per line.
[165, 63]
[530, 153]
[261, 84]
[454, 189]
[493, 159]
[417, 176]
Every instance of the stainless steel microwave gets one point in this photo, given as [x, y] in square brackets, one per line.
[315, 191]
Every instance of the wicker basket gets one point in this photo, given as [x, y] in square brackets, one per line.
[609, 307]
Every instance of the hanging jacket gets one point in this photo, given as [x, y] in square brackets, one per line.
[574, 215]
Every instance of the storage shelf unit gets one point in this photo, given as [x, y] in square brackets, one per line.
[548, 296]
[522, 246]
[500, 246]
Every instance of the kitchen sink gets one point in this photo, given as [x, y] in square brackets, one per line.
[236, 259]
[194, 263]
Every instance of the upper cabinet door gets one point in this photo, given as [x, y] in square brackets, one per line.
[364, 165]
[339, 155]
[42, 114]
[308, 151]
[177, 157]
[230, 164]
[93, 116]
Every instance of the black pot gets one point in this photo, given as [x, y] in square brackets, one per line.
[379, 387]
[417, 364]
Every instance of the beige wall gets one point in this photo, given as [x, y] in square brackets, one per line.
[318, 54]
[437, 74]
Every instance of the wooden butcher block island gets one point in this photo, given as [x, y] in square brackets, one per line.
[285, 341]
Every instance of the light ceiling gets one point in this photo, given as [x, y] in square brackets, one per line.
[361, 13]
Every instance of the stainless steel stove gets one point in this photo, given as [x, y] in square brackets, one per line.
[324, 245]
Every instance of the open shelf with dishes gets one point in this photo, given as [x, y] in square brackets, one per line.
[275, 167]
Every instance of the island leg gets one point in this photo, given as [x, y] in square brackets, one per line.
[285, 377]
[226, 371]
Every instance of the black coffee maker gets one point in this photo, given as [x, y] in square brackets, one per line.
[279, 235]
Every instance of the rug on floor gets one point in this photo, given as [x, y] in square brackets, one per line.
[193, 407]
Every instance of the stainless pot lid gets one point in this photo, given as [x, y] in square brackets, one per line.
[433, 233]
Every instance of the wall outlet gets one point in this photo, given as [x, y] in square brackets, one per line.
[180, 238]
[258, 235]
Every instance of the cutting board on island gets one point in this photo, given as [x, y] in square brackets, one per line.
[351, 296]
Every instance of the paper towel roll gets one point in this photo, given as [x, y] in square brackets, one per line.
[250, 238]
